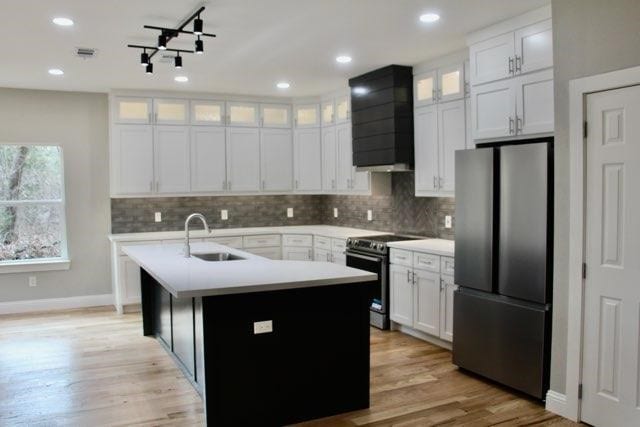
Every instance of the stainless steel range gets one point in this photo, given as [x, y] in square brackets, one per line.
[371, 253]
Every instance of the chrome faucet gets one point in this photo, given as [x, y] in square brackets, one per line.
[187, 246]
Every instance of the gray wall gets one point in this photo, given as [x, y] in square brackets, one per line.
[590, 37]
[77, 122]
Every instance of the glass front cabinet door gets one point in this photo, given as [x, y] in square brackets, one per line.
[207, 113]
[127, 110]
[275, 115]
[171, 111]
[242, 114]
[343, 109]
[451, 83]
[307, 115]
[424, 89]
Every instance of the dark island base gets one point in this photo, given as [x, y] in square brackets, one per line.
[314, 364]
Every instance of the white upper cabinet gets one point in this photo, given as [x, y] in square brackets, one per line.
[171, 111]
[211, 113]
[451, 83]
[534, 102]
[426, 148]
[329, 159]
[344, 174]
[493, 107]
[208, 159]
[307, 115]
[275, 115]
[327, 113]
[342, 112]
[307, 149]
[534, 47]
[451, 137]
[424, 88]
[132, 160]
[132, 110]
[243, 159]
[171, 149]
[492, 59]
[276, 154]
[242, 114]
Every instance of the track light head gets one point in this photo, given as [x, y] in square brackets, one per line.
[162, 42]
[197, 26]
[144, 59]
[149, 69]
[199, 46]
[178, 61]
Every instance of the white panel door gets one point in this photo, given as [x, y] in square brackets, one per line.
[401, 294]
[493, 109]
[451, 82]
[534, 47]
[426, 148]
[534, 100]
[243, 159]
[307, 160]
[132, 159]
[276, 157]
[425, 88]
[208, 159]
[611, 368]
[492, 59]
[171, 149]
[329, 158]
[426, 309]
[451, 137]
[344, 174]
[447, 291]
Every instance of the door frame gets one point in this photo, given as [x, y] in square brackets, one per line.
[568, 405]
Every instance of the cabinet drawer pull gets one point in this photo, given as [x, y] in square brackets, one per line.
[409, 276]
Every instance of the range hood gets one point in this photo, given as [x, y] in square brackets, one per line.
[382, 119]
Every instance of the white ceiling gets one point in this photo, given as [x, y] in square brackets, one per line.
[259, 43]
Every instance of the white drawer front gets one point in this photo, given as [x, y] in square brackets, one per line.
[447, 265]
[271, 253]
[400, 257]
[322, 242]
[338, 245]
[149, 242]
[305, 240]
[426, 262]
[231, 241]
[262, 241]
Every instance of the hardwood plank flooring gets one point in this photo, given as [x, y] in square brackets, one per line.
[94, 367]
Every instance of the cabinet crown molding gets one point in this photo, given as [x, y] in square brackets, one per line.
[509, 25]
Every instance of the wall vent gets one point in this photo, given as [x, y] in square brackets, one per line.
[85, 52]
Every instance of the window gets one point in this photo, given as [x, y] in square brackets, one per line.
[32, 222]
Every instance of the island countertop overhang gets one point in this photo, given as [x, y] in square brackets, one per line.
[192, 277]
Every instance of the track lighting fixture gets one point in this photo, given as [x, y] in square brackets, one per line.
[168, 34]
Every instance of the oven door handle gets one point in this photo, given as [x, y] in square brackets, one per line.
[368, 258]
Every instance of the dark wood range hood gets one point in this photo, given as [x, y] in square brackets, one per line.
[382, 119]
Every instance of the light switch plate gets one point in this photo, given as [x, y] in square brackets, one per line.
[369, 215]
[158, 217]
[447, 221]
[335, 212]
[33, 281]
[289, 212]
[263, 327]
[224, 214]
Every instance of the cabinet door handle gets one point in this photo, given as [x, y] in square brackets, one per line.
[413, 278]
[155, 118]
[435, 185]
[310, 254]
[441, 285]
[264, 185]
[518, 68]
[510, 65]
[440, 181]
[518, 125]
[409, 276]
[333, 184]
[510, 125]
[296, 184]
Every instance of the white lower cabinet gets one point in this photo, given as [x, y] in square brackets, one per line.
[267, 252]
[322, 255]
[297, 247]
[421, 298]
[297, 254]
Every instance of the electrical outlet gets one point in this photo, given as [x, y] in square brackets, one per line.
[447, 221]
[158, 217]
[33, 281]
[224, 215]
[289, 212]
[369, 215]
[264, 327]
[335, 212]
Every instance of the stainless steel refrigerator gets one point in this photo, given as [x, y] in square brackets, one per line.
[503, 253]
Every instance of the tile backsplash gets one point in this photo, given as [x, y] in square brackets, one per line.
[399, 212]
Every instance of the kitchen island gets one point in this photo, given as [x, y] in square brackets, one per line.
[264, 342]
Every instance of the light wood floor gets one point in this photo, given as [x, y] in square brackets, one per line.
[92, 367]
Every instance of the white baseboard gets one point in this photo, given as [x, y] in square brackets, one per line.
[55, 304]
[557, 403]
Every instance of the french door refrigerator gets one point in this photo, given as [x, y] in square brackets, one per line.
[503, 253]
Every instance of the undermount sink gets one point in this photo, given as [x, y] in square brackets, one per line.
[217, 256]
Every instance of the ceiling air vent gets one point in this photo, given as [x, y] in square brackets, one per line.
[85, 52]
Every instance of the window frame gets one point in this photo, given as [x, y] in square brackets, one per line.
[63, 262]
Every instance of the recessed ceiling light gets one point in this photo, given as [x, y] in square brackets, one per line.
[343, 59]
[56, 72]
[283, 85]
[429, 17]
[181, 79]
[63, 22]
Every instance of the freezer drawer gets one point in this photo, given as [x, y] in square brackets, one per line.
[502, 340]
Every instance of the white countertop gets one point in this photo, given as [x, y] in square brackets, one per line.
[319, 230]
[431, 246]
[193, 277]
